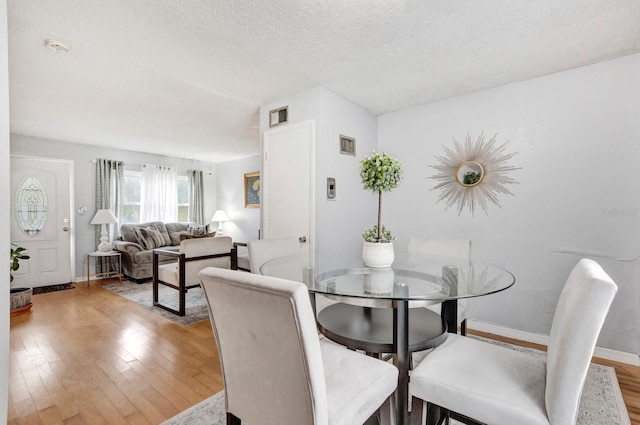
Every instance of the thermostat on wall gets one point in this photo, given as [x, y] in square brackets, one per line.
[331, 188]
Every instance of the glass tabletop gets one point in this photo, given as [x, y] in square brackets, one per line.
[411, 277]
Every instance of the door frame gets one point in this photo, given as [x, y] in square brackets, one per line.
[72, 221]
[310, 125]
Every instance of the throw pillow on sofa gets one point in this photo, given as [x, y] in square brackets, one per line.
[196, 230]
[208, 235]
[149, 237]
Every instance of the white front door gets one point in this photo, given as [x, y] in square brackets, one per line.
[41, 219]
[288, 183]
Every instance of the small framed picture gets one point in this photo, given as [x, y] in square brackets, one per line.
[252, 189]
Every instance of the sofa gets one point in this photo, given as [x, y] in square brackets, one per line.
[137, 242]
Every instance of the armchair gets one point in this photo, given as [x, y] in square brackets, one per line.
[192, 256]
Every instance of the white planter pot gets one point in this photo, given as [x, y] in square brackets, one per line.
[20, 297]
[376, 254]
[379, 281]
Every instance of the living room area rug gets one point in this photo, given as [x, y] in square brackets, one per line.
[601, 402]
[142, 294]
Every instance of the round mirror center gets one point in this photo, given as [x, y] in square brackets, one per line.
[470, 173]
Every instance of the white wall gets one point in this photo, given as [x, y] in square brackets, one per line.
[334, 115]
[340, 222]
[578, 138]
[4, 213]
[84, 171]
[244, 223]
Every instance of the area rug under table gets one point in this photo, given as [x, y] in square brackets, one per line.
[601, 402]
[142, 294]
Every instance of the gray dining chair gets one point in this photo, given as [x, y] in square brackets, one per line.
[275, 368]
[454, 248]
[480, 382]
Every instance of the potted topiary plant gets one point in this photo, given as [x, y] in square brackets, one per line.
[20, 297]
[379, 173]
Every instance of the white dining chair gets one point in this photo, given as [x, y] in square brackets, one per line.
[275, 368]
[454, 248]
[481, 382]
[263, 250]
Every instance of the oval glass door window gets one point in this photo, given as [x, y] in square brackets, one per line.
[32, 206]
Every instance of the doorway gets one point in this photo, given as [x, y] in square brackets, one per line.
[41, 206]
[288, 183]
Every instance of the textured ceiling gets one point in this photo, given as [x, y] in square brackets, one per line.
[186, 77]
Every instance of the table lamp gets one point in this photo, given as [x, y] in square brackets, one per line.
[220, 216]
[104, 217]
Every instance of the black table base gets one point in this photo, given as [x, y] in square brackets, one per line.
[371, 329]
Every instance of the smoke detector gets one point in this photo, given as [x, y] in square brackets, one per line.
[56, 46]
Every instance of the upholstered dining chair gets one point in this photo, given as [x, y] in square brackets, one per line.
[454, 248]
[192, 256]
[487, 383]
[275, 368]
[263, 250]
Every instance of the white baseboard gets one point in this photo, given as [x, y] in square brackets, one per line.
[604, 353]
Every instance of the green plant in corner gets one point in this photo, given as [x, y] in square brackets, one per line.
[17, 254]
[379, 173]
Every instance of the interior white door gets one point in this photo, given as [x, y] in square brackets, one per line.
[41, 219]
[288, 182]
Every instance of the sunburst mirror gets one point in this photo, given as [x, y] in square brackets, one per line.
[473, 174]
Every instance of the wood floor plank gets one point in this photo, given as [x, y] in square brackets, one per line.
[50, 416]
[137, 419]
[87, 356]
[64, 404]
[74, 420]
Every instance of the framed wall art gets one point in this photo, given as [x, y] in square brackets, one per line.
[252, 189]
[474, 173]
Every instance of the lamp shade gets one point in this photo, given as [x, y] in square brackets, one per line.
[220, 215]
[104, 216]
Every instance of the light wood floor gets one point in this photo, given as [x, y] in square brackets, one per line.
[87, 356]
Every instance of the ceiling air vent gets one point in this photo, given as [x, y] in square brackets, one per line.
[347, 145]
[278, 116]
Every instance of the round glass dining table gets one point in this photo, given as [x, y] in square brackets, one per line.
[413, 280]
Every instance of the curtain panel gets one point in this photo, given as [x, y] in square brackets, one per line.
[196, 197]
[159, 194]
[109, 182]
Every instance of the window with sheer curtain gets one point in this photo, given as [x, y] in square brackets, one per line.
[132, 196]
[158, 193]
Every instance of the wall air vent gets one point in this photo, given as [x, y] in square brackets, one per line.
[347, 145]
[278, 116]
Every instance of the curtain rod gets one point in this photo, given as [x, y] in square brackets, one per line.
[95, 160]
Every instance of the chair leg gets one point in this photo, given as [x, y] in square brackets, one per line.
[434, 414]
[387, 416]
[463, 328]
[233, 420]
[417, 411]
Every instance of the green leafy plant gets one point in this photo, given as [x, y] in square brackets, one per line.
[371, 235]
[17, 254]
[380, 173]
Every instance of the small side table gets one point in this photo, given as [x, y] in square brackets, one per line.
[112, 273]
